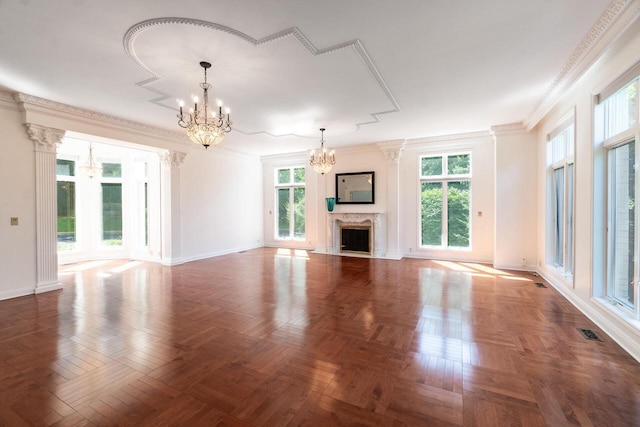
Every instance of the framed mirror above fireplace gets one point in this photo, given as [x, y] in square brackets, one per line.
[355, 188]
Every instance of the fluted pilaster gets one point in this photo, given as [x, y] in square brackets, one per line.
[45, 141]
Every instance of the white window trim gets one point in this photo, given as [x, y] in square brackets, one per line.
[602, 292]
[569, 159]
[444, 178]
[290, 185]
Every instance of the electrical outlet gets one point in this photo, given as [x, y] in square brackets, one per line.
[14, 220]
[479, 213]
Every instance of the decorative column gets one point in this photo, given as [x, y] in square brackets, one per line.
[45, 141]
[170, 207]
[392, 151]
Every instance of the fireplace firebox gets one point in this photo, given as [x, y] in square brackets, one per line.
[355, 239]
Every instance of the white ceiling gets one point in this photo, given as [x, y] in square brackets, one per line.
[367, 70]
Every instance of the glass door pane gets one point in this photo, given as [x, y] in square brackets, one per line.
[570, 184]
[298, 213]
[66, 215]
[622, 213]
[431, 209]
[283, 213]
[112, 214]
[458, 214]
[558, 217]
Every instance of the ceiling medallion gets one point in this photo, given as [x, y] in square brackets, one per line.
[204, 126]
[322, 161]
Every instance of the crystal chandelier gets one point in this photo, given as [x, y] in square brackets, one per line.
[92, 168]
[204, 126]
[322, 161]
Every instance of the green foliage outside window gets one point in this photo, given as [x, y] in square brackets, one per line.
[456, 197]
[284, 176]
[290, 200]
[458, 210]
[112, 214]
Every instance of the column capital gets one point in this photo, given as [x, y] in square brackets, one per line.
[392, 150]
[45, 139]
[172, 159]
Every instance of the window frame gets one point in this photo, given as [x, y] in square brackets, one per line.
[565, 161]
[292, 186]
[605, 144]
[111, 180]
[445, 178]
[69, 178]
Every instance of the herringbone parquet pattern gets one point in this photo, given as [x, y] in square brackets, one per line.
[280, 337]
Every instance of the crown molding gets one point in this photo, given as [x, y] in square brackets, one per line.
[6, 96]
[604, 32]
[298, 156]
[509, 129]
[31, 103]
[451, 137]
[7, 102]
[133, 32]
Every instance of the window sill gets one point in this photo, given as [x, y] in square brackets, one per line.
[559, 276]
[621, 313]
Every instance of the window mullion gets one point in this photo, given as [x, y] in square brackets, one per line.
[445, 215]
[636, 267]
[292, 217]
[565, 219]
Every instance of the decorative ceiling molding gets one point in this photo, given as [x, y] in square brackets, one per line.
[7, 102]
[27, 100]
[605, 31]
[452, 137]
[133, 32]
[508, 128]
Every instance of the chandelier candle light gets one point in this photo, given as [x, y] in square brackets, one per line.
[204, 126]
[322, 161]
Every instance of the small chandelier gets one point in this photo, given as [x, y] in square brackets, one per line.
[92, 168]
[322, 161]
[204, 126]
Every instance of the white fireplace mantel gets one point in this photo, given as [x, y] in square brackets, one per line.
[375, 219]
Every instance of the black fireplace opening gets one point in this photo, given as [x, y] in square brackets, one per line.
[355, 240]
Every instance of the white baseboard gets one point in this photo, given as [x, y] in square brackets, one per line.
[15, 293]
[48, 287]
[215, 254]
[516, 267]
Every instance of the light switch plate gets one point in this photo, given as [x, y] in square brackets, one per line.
[14, 220]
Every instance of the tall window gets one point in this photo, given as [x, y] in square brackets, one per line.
[617, 127]
[66, 182]
[111, 185]
[562, 142]
[445, 200]
[290, 203]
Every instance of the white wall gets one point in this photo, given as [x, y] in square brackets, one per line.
[586, 286]
[17, 199]
[515, 201]
[220, 203]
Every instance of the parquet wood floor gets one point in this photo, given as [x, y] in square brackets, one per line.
[282, 337]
